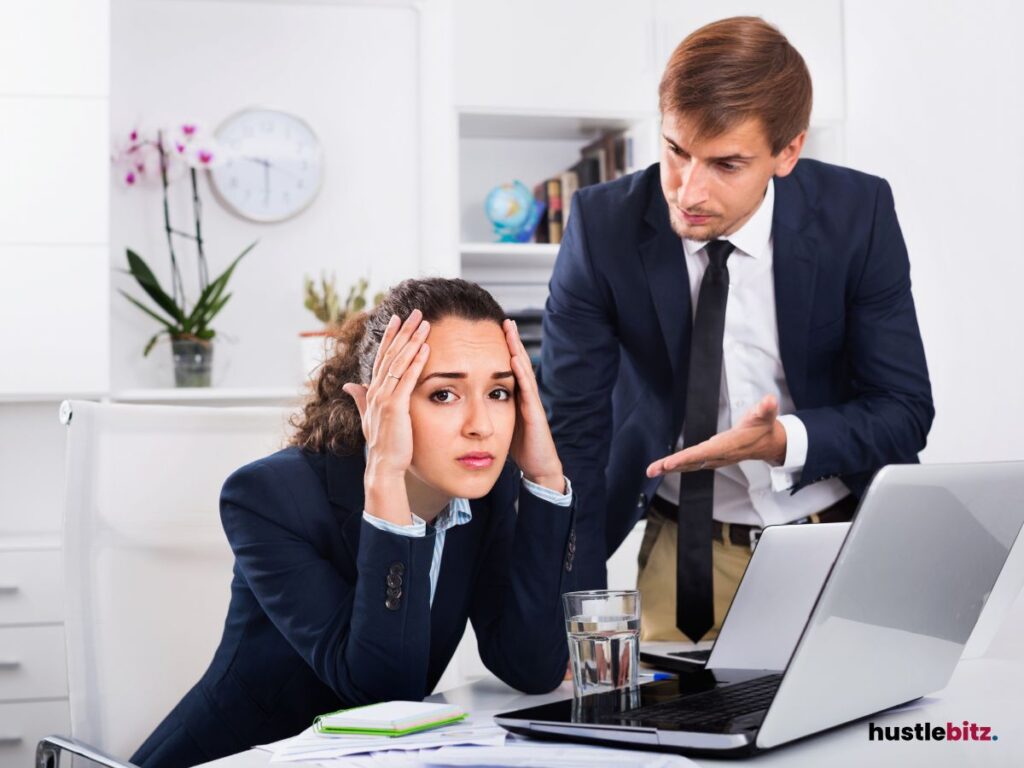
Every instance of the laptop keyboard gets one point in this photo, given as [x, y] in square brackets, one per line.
[713, 710]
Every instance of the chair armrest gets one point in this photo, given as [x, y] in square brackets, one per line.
[49, 749]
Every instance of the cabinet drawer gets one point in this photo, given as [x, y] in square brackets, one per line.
[31, 586]
[32, 663]
[23, 725]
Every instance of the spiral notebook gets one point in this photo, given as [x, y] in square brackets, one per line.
[389, 718]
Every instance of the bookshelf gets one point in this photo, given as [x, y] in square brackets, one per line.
[498, 145]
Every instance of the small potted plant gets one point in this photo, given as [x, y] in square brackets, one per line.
[325, 303]
[188, 327]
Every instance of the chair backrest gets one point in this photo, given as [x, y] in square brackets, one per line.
[147, 565]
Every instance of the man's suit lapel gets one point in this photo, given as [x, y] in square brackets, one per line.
[795, 271]
[345, 492]
[661, 254]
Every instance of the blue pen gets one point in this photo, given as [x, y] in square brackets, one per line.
[663, 676]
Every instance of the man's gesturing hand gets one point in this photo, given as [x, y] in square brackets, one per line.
[758, 436]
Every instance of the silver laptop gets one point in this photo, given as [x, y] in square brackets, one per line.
[921, 558]
[775, 597]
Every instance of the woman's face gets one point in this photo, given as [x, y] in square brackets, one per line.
[463, 409]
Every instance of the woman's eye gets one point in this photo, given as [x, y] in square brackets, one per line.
[500, 394]
[443, 396]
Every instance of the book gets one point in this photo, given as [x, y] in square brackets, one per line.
[389, 718]
[540, 194]
[587, 172]
[596, 151]
[554, 210]
[570, 183]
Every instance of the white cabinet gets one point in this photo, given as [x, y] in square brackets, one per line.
[56, 170]
[33, 668]
[54, 47]
[56, 342]
[54, 328]
[569, 56]
[507, 145]
[23, 724]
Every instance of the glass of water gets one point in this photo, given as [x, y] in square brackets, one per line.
[604, 639]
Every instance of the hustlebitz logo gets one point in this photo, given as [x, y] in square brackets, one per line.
[967, 731]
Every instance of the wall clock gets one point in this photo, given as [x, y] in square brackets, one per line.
[275, 168]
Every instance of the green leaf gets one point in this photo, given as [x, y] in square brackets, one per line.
[152, 342]
[212, 312]
[170, 325]
[213, 291]
[145, 278]
[206, 334]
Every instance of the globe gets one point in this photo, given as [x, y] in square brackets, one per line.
[512, 211]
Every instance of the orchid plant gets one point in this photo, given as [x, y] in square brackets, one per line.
[165, 156]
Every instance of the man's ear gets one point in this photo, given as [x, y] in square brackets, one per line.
[786, 159]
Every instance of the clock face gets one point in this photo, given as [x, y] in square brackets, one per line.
[276, 165]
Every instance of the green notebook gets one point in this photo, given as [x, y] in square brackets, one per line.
[389, 718]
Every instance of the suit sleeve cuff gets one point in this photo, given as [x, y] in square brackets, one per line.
[416, 529]
[546, 494]
[788, 475]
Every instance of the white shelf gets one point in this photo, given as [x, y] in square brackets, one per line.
[16, 398]
[510, 250]
[485, 123]
[208, 395]
[29, 542]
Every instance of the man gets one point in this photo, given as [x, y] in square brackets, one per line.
[694, 302]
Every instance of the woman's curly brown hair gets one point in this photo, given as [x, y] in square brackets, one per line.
[329, 421]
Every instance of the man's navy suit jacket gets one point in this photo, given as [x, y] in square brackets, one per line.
[308, 629]
[615, 352]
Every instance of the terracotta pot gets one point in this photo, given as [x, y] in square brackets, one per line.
[314, 348]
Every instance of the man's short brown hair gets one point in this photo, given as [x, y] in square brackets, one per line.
[735, 69]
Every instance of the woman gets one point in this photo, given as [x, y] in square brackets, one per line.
[362, 549]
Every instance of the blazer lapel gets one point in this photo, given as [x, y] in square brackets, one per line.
[661, 253]
[345, 492]
[795, 271]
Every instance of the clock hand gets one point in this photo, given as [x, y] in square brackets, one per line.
[267, 164]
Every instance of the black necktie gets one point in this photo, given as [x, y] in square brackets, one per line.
[695, 611]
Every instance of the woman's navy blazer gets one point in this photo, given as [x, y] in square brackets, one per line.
[312, 627]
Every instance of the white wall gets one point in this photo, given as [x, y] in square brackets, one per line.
[350, 70]
[935, 104]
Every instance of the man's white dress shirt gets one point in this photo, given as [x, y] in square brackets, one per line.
[753, 492]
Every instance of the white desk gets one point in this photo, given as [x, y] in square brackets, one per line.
[988, 691]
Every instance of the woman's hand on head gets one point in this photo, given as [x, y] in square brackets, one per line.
[533, 448]
[384, 412]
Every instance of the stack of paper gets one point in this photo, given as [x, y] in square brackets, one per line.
[310, 745]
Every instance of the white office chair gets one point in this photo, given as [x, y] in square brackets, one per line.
[147, 565]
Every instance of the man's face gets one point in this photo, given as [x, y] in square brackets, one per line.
[714, 185]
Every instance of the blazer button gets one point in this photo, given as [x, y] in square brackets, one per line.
[398, 568]
[392, 603]
[394, 580]
[568, 564]
[572, 547]
[395, 593]
[642, 501]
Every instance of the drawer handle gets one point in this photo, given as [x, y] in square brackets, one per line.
[10, 741]
[9, 664]
[8, 589]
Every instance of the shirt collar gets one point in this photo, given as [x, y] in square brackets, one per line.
[754, 237]
[456, 513]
